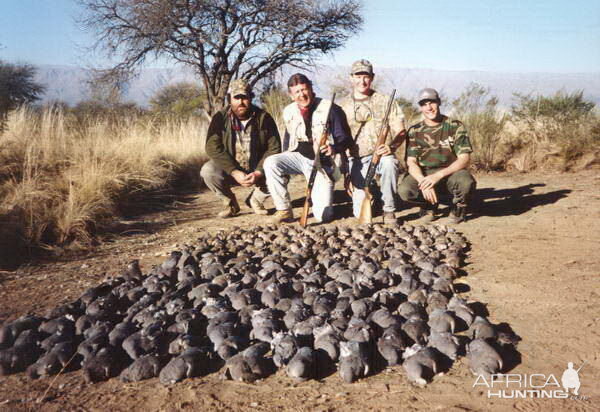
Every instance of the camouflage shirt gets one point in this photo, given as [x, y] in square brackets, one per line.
[438, 146]
[243, 139]
[365, 117]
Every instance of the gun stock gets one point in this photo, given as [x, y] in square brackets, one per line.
[315, 168]
[366, 212]
[304, 216]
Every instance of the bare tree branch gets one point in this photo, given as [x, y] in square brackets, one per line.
[221, 39]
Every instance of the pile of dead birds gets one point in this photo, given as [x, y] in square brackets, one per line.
[251, 300]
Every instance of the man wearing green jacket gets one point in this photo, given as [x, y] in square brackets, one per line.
[239, 139]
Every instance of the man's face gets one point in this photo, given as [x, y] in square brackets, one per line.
[361, 82]
[302, 94]
[240, 105]
[430, 109]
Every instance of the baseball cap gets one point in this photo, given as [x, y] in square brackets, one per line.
[428, 94]
[240, 86]
[362, 66]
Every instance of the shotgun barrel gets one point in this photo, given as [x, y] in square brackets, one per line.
[366, 212]
[316, 167]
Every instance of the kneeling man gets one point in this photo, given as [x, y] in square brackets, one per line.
[238, 141]
[305, 119]
[438, 154]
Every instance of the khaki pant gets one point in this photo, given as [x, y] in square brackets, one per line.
[461, 185]
[220, 183]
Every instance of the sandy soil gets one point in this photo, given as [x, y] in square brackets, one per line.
[534, 262]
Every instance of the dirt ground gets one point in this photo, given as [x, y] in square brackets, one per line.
[534, 262]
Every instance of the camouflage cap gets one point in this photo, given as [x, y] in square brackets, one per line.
[240, 86]
[428, 94]
[362, 66]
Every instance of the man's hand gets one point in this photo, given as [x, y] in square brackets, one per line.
[429, 182]
[429, 195]
[348, 184]
[327, 150]
[383, 150]
[254, 177]
[242, 178]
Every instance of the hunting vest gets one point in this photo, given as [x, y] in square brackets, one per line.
[296, 128]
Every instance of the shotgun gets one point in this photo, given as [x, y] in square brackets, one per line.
[366, 214]
[315, 168]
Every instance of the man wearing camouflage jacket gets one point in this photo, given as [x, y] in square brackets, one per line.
[238, 141]
[438, 155]
[365, 109]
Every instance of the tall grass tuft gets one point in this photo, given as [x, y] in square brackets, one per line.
[478, 110]
[62, 179]
[556, 130]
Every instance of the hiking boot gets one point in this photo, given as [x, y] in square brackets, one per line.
[458, 213]
[283, 216]
[231, 209]
[257, 206]
[389, 218]
[427, 214]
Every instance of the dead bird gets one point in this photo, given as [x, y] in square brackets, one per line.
[23, 353]
[328, 340]
[420, 364]
[51, 363]
[481, 328]
[191, 363]
[284, 346]
[144, 367]
[11, 331]
[392, 344]
[354, 361]
[441, 321]
[416, 329]
[446, 343]
[483, 358]
[106, 363]
[302, 366]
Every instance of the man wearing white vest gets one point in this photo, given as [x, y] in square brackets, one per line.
[305, 120]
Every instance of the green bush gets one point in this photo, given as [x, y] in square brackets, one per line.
[179, 100]
[484, 122]
[565, 121]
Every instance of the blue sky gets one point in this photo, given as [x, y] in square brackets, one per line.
[501, 35]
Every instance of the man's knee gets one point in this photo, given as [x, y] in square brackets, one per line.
[270, 164]
[462, 183]
[389, 163]
[408, 189]
[210, 171]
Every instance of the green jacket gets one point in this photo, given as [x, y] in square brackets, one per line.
[220, 144]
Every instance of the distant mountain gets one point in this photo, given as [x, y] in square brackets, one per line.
[68, 83]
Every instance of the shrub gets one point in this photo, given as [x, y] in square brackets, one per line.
[484, 122]
[559, 126]
[179, 100]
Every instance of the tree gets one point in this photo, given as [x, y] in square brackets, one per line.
[221, 39]
[17, 87]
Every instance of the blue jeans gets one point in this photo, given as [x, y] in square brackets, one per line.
[277, 169]
[388, 170]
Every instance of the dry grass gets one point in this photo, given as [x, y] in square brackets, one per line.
[60, 182]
